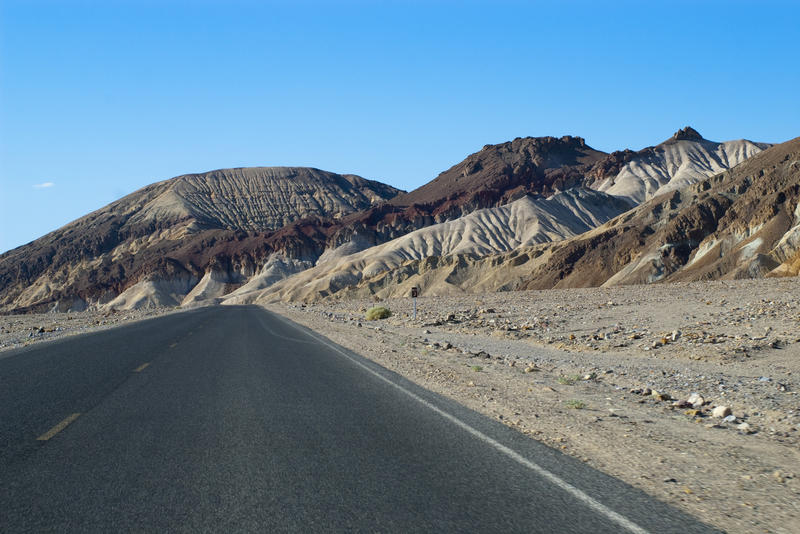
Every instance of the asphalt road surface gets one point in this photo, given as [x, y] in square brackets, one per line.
[232, 419]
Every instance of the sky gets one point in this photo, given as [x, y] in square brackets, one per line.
[100, 98]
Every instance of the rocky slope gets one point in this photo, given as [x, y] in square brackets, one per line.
[742, 223]
[520, 167]
[684, 159]
[197, 238]
[738, 224]
[170, 234]
[498, 174]
[524, 222]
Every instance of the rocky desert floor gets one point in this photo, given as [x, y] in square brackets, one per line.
[687, 391]
[23, 330]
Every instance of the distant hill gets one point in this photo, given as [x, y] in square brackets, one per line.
[515, 214]
[176, 230]
[741, 223]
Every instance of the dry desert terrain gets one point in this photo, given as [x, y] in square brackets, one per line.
[688, 391]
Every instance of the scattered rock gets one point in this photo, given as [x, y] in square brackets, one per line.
[744, 427]
[660, 396]
[696, 400]
[721, 411]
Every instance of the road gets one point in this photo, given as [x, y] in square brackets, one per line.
[232, 419]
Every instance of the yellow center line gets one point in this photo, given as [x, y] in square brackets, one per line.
[58, 428]
[173, 345]
[141, 367]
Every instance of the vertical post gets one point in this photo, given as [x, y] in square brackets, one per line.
[414, 293]
[415, 308]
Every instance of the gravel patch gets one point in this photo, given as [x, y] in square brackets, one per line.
[28, 329]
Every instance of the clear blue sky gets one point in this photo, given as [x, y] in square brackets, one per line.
[98, 99]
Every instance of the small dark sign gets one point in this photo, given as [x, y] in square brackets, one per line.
[415, 292]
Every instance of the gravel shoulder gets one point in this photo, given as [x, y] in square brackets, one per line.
[22, 330]
[607, 376]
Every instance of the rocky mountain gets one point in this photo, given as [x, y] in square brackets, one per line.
[684, 159]
[172, 232]
[523, 222]
[494, 176]
[231, 235]
[523, 169]
[741, 223]
[499, 174]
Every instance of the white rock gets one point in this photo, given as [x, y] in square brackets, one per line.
[721, 411]
[696, 400]
[744, 427]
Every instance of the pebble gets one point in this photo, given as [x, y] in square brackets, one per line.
[696, 400]
[744, 427]
[660, 396]
[721, 412]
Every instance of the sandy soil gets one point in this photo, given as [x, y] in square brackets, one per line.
[605, 376]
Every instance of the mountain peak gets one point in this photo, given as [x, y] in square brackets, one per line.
[687, 134]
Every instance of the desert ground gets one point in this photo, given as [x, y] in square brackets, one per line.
[22, 330]
[627, 379]
[687, 391]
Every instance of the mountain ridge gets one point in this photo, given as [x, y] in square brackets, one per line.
[202, 237]
[742, 223]
[184, 224]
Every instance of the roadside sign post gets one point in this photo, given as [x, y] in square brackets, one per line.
[414, 294]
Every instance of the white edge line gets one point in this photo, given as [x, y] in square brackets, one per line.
[595, 505]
